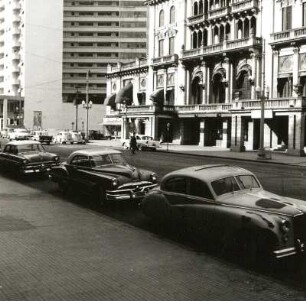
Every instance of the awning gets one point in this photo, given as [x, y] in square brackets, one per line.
[158, 96]
[110, 100]
[125, 95]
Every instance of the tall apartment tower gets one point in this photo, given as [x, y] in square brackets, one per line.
[98, 33]
[30, 63]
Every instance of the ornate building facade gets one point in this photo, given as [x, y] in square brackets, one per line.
[211, 66]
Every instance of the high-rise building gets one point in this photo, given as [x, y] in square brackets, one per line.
[98, 33]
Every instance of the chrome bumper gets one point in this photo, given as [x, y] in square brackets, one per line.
[41, 168]
[129, 194]
[299, 248]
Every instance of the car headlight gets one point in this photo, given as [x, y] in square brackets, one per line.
[285, 226]
[25, 161]
[56, 158]
[114, 182]
[153, 177]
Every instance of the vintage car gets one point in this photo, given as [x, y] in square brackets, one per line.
[104, 174]
[18, 134]
[229, 203]
[42, 136]
[77, 137]
[63, 137]
[144, 143]
[26, 157]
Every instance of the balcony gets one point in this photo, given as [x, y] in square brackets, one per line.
[277, 104]
[194, 20]
[219, 12]
[226, 46]
[244, 5]
[204, 108]
[288, 36]
[168, 60]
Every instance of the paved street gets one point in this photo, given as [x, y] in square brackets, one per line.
[59, 248]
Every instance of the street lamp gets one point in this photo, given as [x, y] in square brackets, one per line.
[262, 96]
[76, 107]
[87, 104]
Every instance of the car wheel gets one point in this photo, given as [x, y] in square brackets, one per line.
[63, 186]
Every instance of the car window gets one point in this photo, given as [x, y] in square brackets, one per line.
[225, 185]
[81, 161]
[101, 160]
[25, 148]
[248, 182]
[176, 185]
[199, 188]
[117, 159]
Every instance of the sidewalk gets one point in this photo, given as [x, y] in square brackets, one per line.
[212, 151]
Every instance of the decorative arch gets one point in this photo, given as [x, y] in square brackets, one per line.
[243, 81]
[219, 71]
[218, 85]
[161, 20]
[197, 87]
[244, 68]
[195, 9]
[172, 14]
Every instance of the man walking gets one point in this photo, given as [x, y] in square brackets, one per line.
[133, 143]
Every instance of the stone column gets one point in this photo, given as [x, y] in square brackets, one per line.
[202, 133]
[275, 73]
[296, 130]
[207, 86]
[165, 87]
[231, 81]
[227, 71]
[225, 137]
[187, 87]
[254, 73]
[203, 68]
[4, 107]
[237, 138]
[295, 73]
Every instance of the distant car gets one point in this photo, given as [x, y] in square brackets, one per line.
[104, 174]
[26, 157]
[144, 142]
[77, 137]
[18, 134]
[63, 137]
[42, 136]
[229, 203]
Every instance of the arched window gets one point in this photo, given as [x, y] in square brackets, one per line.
[221, 40]
[253, 26]
[216, 35]
[246, 33]
[244, 85]
[239, 29]
[200, 39]
[172, 14]
[227, 31]
[161, 18]
[201, 9]
[205, 37]
[194, 40]
[195, 9]
[218, 89]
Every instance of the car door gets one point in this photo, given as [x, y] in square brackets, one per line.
[80, 177]
[9, 160]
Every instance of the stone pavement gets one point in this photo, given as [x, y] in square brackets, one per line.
[276, 157]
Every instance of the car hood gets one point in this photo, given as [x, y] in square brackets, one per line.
[263, 200]
[37, 156]
[125, 171]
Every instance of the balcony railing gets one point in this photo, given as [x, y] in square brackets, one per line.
[168, 59]
[219, 12]
[197, 19]
[243, 5]
[287, 35]
[214, 107]
[225, 46]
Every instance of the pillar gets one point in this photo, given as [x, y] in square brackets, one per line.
[231, 81]
[275, 73]
[295, 73]
[165, 86]
[296, 130]
[225, 125]
[4, 113]
[254, 73]
[203, 68]
[187, 87]
[237, 138]
[227, 84]
[202, 133]
[208, 75]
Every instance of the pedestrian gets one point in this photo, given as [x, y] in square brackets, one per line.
[133, 144]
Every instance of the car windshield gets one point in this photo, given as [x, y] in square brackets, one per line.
[225, 185]
[106, 159]
[25, 148]
[248, 182]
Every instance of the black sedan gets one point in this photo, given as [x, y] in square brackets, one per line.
[105, 174]
[26, 157]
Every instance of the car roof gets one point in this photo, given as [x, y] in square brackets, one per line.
[209, 173]
[94, 152]
[22, 142]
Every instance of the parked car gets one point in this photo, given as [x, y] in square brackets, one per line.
[229, 203]
[63, 137]
[105, 174]
[42, 136]
[26, 157]
[77, 137]
[18, 134]
[144, 142]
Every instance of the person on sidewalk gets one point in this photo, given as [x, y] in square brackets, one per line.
[133, 144]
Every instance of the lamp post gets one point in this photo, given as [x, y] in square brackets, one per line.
[87, 104]
[262, 96]
[76, 107]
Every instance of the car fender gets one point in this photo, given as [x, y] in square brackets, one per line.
[59, 172]
[145, 175]
[155, 206]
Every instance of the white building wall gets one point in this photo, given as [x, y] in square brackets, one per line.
[43, 62]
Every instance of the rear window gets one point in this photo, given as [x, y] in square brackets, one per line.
[248, 182]
[176, 185]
